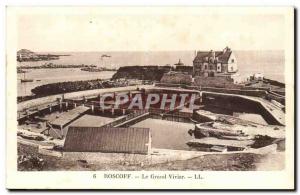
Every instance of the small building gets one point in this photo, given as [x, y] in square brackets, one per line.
[258, 77]
[133, 140]
[67, 117]
[211, 63]
[179, 63]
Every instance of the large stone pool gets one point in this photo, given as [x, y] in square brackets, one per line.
[167, 134]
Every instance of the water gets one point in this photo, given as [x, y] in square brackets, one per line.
[270, 63]
[56, 75]
[167, 134]
[119, 59]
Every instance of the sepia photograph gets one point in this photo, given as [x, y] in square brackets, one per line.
[144, 93]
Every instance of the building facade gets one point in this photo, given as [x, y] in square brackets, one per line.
[213, 63]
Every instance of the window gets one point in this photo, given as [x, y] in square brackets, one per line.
[205, 67]
[232, 60]
[219, 68]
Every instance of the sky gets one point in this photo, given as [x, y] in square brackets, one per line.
[121, 29]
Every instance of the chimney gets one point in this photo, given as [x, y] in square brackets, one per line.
[225, 49]
[213, 54]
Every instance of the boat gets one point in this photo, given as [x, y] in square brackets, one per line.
[207, 130]
[224, 137]
[26, 80]
[212, 144]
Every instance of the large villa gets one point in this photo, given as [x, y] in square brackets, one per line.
[212, 63]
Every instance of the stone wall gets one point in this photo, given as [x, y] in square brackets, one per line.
[217, 81]
[186, 69]
[78, 94]
[236, 103]
[255, 93]
[176, 78]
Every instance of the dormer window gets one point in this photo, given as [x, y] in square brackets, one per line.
[232, 60]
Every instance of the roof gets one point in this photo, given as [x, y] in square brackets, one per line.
[111, 140]
[69, 116]
[222, 56]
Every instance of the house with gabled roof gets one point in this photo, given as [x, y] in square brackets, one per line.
[213, 63]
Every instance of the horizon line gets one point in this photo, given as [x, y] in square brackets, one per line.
[155, 50]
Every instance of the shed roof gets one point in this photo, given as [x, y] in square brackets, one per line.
[111, 140]
[69, 116]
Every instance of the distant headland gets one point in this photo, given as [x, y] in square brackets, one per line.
[25, 55]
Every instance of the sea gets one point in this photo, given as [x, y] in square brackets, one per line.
[268, 62]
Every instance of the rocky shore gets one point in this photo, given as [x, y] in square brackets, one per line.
[95, 69]
[72, 86]
[25, 55]
[51, 65]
